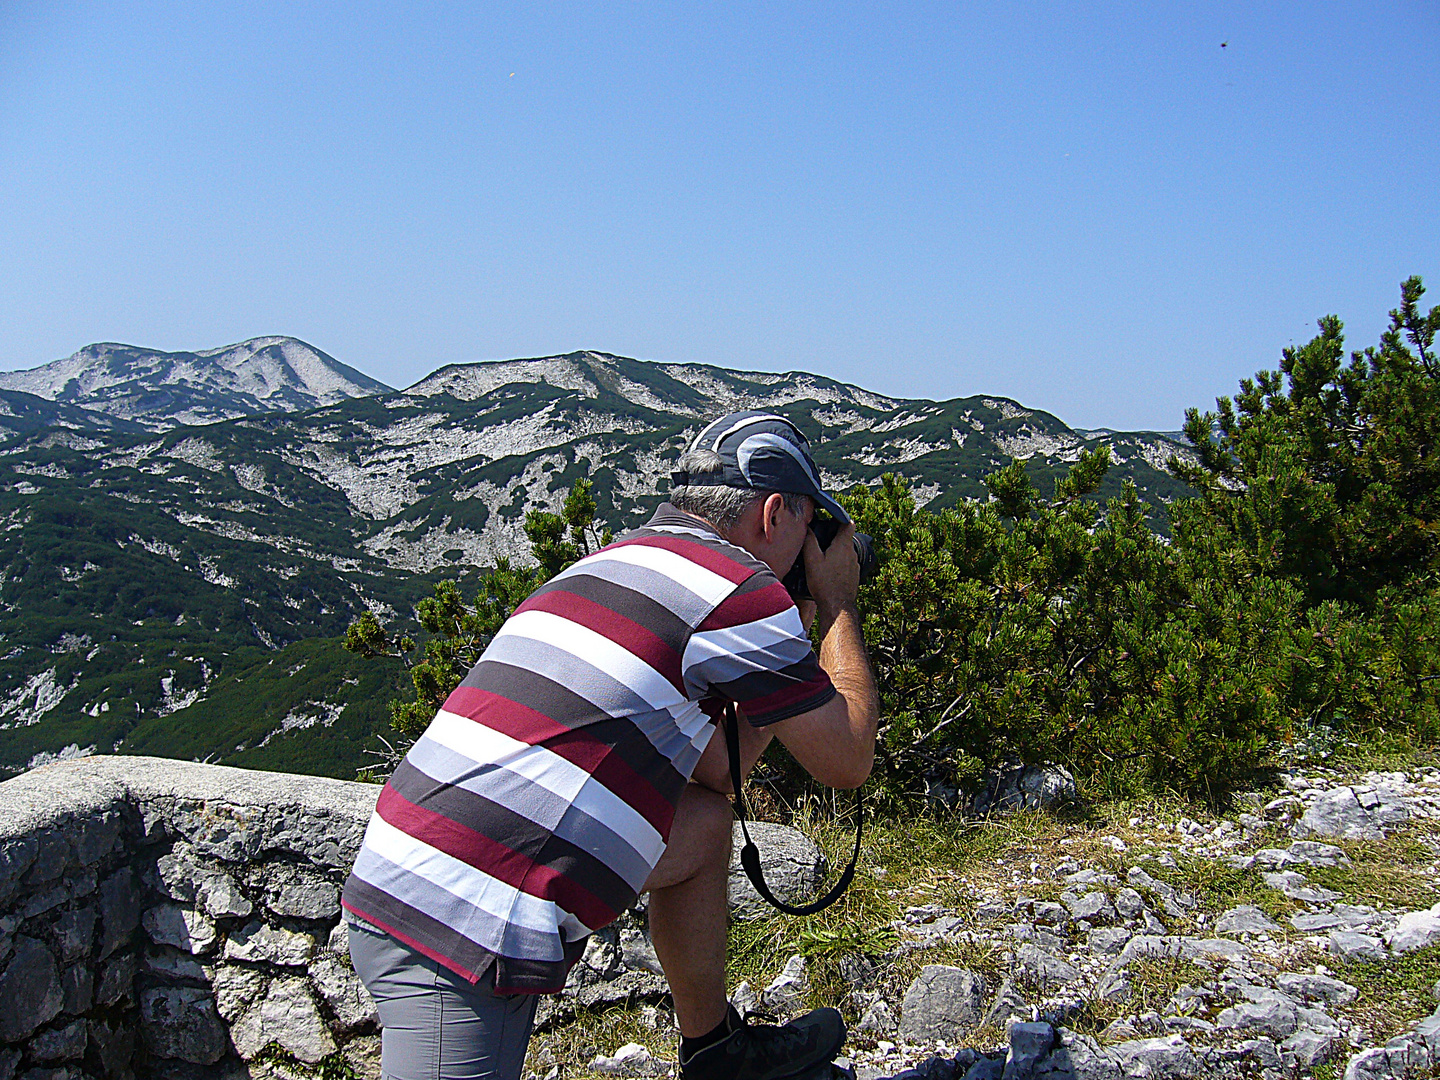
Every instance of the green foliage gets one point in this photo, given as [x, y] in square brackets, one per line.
[458, 633]
[1039, 629]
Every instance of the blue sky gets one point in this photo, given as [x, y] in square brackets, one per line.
[1095, 209]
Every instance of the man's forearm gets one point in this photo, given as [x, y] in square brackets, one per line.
[846, 661]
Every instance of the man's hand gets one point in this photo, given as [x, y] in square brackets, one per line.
[833, 574]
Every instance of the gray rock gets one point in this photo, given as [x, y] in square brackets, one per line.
[1029, 1043]
[1043, 938]
[638, 954]
[1317, 988]
[182, 928]
[235, 988]
[1314, 853]
[794, 868]
[114, 1045]
[1042, 968]
[173, 966]
[1310, 1048]
[1129, 904]
[1027, 787]
[222, 898]
[1415, 930]
[1051, 913]
[1168, 1056]
[362, 1054]
[60, 1044]
[1339, 812]
[1312, 922]
[787, 990]
[877, 1021]
[119, 909]
[1114, 986]
[270, 944]
[1245, 919]
[289, 1016]
[117, 979]
[74, 933]
[297, 893]
[1140, 879]
[1262, 1051]
[1008, 1003]
[181, 1022]
[941, 1004]
[30, 991]
[986, 1068]
[1275, 1015]
[1110, 940]
[1094, 907]
[77, 983]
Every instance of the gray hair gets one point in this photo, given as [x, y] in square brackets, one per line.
[719, 503]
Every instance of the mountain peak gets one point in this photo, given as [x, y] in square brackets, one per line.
[165, 389]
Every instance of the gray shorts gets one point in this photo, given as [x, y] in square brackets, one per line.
[435, 1024]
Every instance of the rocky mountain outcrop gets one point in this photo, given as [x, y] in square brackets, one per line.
[160, 390]
[283, 526]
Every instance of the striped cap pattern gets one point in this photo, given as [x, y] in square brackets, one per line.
[536, 804]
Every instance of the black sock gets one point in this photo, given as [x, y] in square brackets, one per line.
[689, 1047]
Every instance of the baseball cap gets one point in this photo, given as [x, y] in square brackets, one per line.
[763, 451]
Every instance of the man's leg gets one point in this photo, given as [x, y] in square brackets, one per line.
[688, 917]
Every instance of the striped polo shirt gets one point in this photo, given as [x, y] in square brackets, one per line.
[534, 807]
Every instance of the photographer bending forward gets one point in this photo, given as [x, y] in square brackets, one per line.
[575, 768]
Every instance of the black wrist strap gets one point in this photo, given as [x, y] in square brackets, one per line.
[750, 854]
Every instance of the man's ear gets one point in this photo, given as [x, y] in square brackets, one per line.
[770, 517]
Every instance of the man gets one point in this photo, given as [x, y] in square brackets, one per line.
[575, 768]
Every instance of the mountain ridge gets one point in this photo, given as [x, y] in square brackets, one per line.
[140, 569]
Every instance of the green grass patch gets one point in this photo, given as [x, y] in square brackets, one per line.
[1383, 873]
[1394, 993]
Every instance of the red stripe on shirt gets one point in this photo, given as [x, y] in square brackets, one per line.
[766, 603]
[628, 634]
[492, 857]
[785, 697]
[717, 562]
[499, 713]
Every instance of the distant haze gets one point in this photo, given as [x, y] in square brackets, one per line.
[1098, 211]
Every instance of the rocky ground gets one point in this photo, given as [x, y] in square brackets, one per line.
[1293, 936]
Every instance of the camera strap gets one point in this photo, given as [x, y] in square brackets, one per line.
[750, 854]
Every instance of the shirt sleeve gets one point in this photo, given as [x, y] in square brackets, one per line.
[752, 650]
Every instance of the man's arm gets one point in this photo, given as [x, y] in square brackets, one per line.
[836, 742]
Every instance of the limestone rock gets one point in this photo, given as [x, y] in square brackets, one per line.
[1110, 939]
[183, 928]
[257, 942]
[1314, 853]
[1029, 1043]
[74, 933]
[290, 1018]
[117, 979]
[1129, 904]
[362, 1054]
[1308, 987]
[181, 1022]
[60, 1044]
[114, 1045]
[1341, 812]
[794, 868]
[877, 1021]
[1169, 1056]
[1275, 1014]
[119, 909]
[1245, 919]
[1042, 967]
[632, 1059]
[343, 991]
[297, 893]
[1008, 1003]
[30, 990]
[1415, 930]
[235, 988]
[941, 1004]
[1094, 907]
[787, 991]
[1027, 787]
[222, 898]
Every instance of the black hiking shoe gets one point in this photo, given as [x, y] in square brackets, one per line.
[803, 1048]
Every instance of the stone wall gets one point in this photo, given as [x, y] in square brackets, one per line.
[168, 919]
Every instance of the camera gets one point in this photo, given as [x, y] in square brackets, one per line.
[825, 529]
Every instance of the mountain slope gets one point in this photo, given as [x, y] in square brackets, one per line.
[159, 390]
[138, 572]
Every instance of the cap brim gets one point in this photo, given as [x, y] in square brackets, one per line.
[833, 508]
